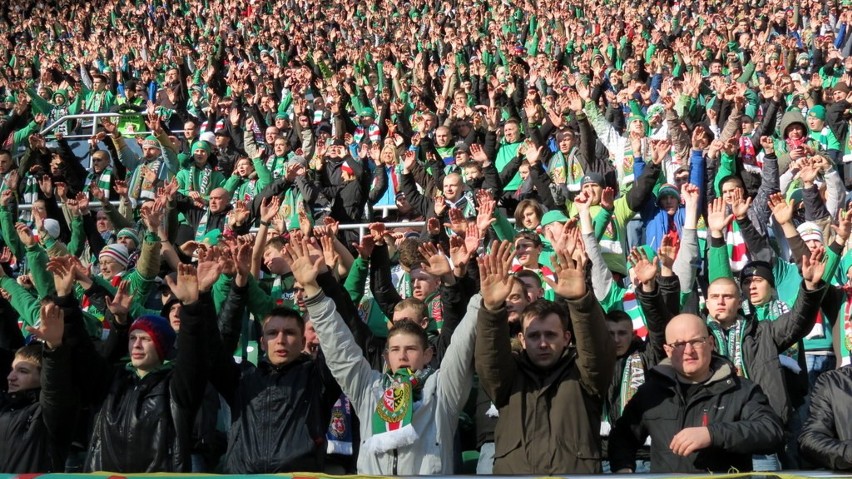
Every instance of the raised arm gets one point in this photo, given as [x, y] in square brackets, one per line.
[495, 364]
[343, 356]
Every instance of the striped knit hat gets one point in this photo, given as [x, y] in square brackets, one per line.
[116, 252]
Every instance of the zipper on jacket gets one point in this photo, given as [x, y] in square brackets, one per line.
[395, 461]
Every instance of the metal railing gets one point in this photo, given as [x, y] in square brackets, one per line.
[94, 125]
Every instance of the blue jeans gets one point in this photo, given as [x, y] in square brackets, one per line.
[765, 463]
[818, 364]
[642, 467]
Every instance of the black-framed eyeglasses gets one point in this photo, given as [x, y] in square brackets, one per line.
[696, 343]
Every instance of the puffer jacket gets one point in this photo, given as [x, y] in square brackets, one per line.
[736, 412]
[549, 420]
[827, 433]
[142, 424]
[34, 438]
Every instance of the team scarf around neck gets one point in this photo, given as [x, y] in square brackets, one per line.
[632, 376]
[203, 184]
[31, 189]
[202, 226]
[143, 187]
[391, 421]
[730, 343]
[102, 179]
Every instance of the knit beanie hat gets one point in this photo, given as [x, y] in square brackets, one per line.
[201, 145]
[761, 269]
[810, 231]
[668, 189]
[116, 252]
[817, 111]
[129, 233]
[160, 330]
[151, 142]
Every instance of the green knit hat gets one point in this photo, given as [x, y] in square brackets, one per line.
[151, 141]
[201, 145]
[636, 117]
[817, 111]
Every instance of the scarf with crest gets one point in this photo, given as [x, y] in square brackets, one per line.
[391, 421]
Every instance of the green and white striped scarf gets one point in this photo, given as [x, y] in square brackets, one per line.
[102, 179]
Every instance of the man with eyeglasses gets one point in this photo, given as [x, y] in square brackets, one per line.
[701, 416]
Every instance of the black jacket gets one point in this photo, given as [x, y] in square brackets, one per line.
[279, 415]
[34, 438]
[735, 410]
[763, 341]
[141, 424]
[827, 433]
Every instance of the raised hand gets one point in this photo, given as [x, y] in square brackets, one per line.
[437, 263]
[25, 235]
[440, 205]
[185, 288]
[644, 269]
[700, 139]
[377, 232]
[51, 326]
[740, 206]
[121, 188]
[717, 218]
[813, 268]
[667, 253]
[477, 153]
[843, 229]
[608, 198]
[570, 270]
[457, 222]
[119, 306]
[269, 208]
[365, 248]
[782, 211]
[63, 274]
[239, 214]
[408, 160]
[495, 281]
[305, 267]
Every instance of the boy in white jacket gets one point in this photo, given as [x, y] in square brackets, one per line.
[409, 415]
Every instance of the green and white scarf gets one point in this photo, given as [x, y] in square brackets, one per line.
[730, 343]
[202, 226]
[391, 421]
[142, 187]
[202, 185]
[102, 179]
[632, 377]
[31, 189]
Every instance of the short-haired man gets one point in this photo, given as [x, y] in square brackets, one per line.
[549, 397]
[34, 438]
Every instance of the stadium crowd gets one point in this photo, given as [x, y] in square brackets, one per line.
[624, 243]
